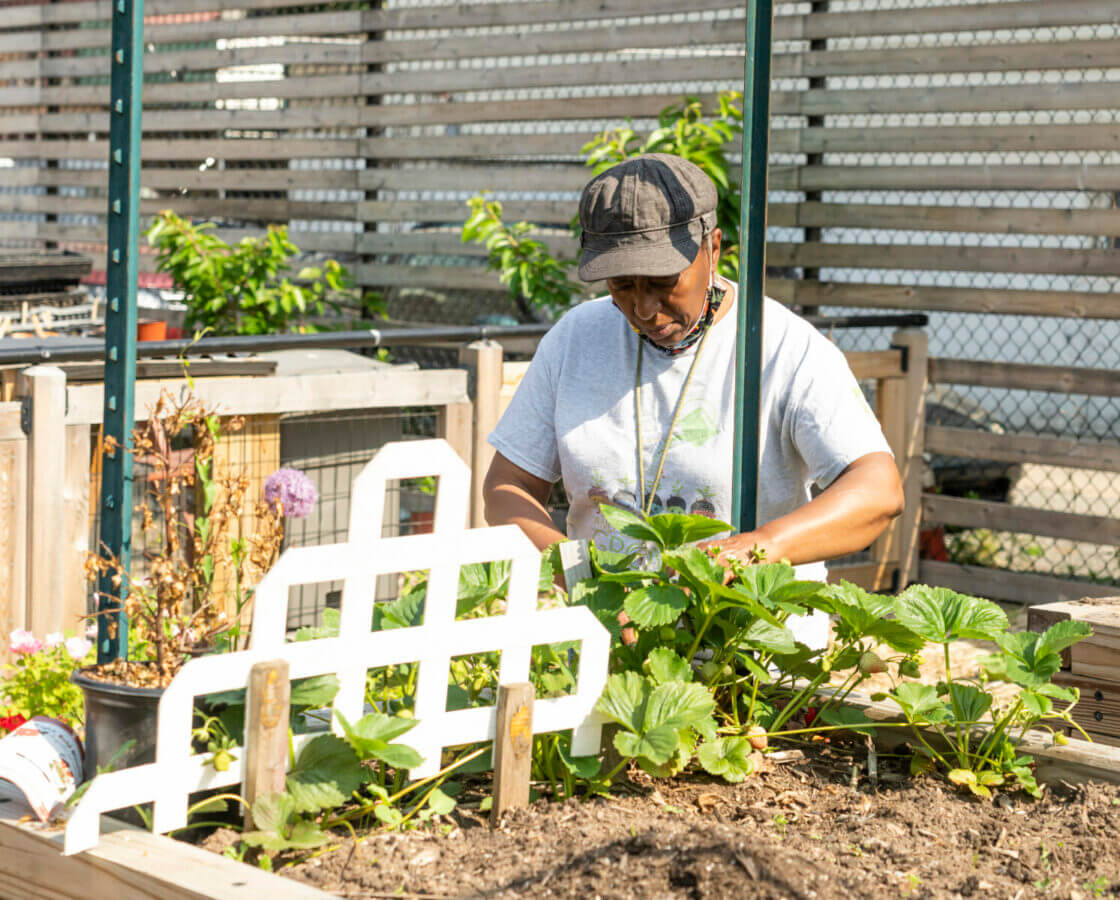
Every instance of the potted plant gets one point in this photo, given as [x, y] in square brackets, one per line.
[194, 593]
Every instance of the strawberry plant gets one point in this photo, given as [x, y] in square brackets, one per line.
[979, 759]
[712, 665]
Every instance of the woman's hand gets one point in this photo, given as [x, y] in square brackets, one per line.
[844, 518]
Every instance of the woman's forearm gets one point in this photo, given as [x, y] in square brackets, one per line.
[844, 518]
[509, 505]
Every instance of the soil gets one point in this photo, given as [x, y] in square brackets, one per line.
[813, 827]
[129, 673]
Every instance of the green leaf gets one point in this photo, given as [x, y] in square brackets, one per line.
[920, 702]
[585, 767]
[698, 570]
[325, 774]
[728, 758]
[1056, 692]
[656, 745]
[678, 704]
[941, 615]
[604, 599]
[1027, 660]
[769, 638]
[665, 665]
[854, 719]
[317, 691]
[399, 756]
[962, 776]
[677, 529]
[656, 605]
[968, 702]
[440, 803]
[630, 524]
[1065, 633]
[624, 699]
[272, 811]
[1036, 704]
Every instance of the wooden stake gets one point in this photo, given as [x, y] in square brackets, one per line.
[513, 748]
[266, 731]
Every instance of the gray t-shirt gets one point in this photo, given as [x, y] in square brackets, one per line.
[573, 417]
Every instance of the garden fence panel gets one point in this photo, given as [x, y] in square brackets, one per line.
[956, 158]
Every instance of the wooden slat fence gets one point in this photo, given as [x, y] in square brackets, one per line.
[962, 159]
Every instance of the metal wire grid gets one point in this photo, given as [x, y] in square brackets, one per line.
[1057, 341]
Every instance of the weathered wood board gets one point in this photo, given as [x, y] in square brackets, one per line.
[1098, 710]
[128, 863]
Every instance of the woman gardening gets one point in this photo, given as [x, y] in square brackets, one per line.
[630, 397]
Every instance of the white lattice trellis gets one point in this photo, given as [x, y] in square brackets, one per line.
[177, 771]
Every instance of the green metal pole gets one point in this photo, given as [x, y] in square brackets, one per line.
[120, 316]
[752, 264]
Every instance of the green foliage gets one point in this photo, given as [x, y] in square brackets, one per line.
[536, 279]
[980, 760]
[539, 281]
[280, 827]
[245, 288]
[38, 682]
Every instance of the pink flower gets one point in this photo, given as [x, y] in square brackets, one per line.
[54, 639]
[24, 642]
[293, 490]
[78, 647]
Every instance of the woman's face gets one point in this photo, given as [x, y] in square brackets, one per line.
[664, 308]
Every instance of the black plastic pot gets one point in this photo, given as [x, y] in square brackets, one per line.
[115, 715]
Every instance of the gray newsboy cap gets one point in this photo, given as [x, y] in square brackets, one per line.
[645, 216]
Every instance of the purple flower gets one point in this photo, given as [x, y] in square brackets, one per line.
[292, 490]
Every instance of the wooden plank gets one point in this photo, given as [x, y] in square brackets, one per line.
[1097, 656]
[266, 732]
[1006, 517]
[455, 424]
[868, 576]
[915, 344]
[1067, 304]
[961, 177]
[965, 218]
[74, 547]
[513, 749]
[512, 373]
[933, 139]
[1102, 456]
[952, 258]
[880, 364]
[1056, 379]
[890, 401]
[1077, 762]
[13, 535]
[128, 863]
[378, 389]
[1098, 709]
[484, 360]
[998, 584]
[48, 608]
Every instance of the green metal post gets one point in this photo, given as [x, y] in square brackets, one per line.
[120, 315]
[752, 264]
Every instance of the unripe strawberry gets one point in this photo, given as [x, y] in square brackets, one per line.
[871, 663]
[221, 761]
[668, 633]
[756, 734]
[1060, 739]
[909, 668]
[710, 670]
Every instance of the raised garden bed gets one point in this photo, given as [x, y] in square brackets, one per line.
[815, 827]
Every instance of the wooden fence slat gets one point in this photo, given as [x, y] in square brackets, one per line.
[1025, 588]
[1102, 456]
[1006, 517]
[996, 220]
[952, 258]
[1071, 304]
[13, 528]
[963, 177]
[1057, 379]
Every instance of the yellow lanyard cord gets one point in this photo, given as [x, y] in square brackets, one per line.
[647, 502]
